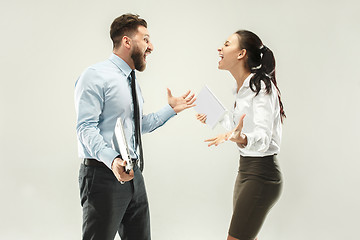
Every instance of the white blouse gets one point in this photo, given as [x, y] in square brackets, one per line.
[262, 123]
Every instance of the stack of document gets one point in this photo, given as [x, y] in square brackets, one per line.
[207, 103]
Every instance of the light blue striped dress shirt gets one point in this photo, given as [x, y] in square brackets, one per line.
[102, 94]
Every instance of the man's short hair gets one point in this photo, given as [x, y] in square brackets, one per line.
[125, 25]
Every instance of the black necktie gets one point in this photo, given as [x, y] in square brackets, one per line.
[136, 119]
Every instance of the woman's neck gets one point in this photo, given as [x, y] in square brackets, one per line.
[240, 74]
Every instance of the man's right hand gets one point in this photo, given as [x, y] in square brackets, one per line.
[118, 168]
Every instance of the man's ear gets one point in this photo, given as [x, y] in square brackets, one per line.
[242, 54]
[126, 42]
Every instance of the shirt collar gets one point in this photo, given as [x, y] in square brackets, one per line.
[247, 80]
[121, 64]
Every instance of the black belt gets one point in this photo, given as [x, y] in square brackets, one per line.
[95, 163]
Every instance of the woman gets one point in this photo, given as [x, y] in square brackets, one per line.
[256, 129]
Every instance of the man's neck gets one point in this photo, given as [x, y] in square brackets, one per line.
[126, 57]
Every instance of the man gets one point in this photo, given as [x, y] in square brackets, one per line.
[112, 199]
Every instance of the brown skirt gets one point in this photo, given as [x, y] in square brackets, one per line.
[257, 188]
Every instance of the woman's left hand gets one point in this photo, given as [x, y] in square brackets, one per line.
[234, 135]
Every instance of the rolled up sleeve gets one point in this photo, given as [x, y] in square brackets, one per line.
[152, 121]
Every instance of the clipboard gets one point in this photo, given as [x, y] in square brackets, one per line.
[207, 103]
[120, 144]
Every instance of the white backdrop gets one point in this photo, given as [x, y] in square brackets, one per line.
[45, 45]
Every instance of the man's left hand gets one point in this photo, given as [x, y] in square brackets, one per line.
[181, 103]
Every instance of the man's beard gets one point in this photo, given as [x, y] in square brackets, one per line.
[138, 58]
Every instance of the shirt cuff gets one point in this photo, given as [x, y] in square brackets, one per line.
[225, 121]
[250, 141]
[255, 143]
[166, 113]
[107, 156]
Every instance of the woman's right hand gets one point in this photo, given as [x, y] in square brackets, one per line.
[201, 117]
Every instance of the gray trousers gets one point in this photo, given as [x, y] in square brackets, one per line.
[110, 207]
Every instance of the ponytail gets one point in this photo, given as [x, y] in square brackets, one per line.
[266, 73]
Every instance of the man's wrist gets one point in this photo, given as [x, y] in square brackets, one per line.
[112, 163]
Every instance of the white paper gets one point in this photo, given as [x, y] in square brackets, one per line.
[207, 103]
[120, 144]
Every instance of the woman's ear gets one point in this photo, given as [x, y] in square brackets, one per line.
[242, 54]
